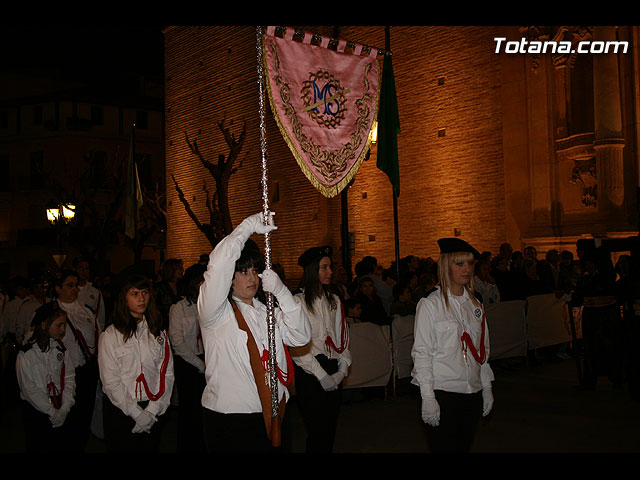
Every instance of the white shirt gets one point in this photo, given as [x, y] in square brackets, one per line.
[324, 323]
[231, 386]
[184, 332]
[90, 296]
[84, 322]
[10, 315]
[438, 360]
[35, 369]
[122, 362]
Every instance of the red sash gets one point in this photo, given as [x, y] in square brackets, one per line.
[163, 371]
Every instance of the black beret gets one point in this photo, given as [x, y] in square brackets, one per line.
[315, 253]
[450, 245]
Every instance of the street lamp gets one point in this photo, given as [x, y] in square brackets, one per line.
[58, 216]
[64, 213]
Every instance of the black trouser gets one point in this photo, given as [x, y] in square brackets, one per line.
[603, 340]
[319, 408]
[235, 433]
[9, 388]
[459, 416]
[190, 384]
[81, 414]
[40, 436]
[117, 431]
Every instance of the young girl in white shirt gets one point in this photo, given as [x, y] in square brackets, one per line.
[46, 378]
[136, 370]
[321, 365]
[235, 330]
[451, 352]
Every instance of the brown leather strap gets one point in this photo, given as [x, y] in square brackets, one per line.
[261, 376]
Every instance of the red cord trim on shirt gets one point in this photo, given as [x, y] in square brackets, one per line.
[344, 335]
[467, 343]
[52, 390]
[163, 370]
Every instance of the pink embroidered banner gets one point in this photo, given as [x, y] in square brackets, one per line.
[324, 102]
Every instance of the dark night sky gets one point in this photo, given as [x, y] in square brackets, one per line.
[72, 46]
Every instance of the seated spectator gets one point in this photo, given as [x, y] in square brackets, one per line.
[517, 258]
[372, 309]
[383, 289]
[403, 304]
[507, 281]
[532, 284]
[409, 279]
[530, 252]
[353, 310]
[484, 284]
[506, 250]
[569, 270]
[426, 283]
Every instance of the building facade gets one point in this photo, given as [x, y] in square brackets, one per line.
[495, 146]
[62, 140]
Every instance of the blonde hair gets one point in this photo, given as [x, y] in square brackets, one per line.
[444, 274]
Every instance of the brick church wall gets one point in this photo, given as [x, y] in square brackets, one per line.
[450, 146]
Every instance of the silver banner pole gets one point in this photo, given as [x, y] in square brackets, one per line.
[273, 375]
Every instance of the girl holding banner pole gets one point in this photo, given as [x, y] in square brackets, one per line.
[237, 410]
[451, 352]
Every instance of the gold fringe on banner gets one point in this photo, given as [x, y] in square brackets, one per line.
[332, 163]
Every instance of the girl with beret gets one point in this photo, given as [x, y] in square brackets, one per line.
[321, 365]
[451, 353]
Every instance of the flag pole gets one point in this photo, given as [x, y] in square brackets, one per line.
[273, 376]
[388, 129]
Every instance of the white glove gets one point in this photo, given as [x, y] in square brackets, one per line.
[58, 418]
[338, 377]
[271, 283]
[255, 223]
[144, 422]
[343, 369]
[487, 401]
[430, 411]
[328, 383]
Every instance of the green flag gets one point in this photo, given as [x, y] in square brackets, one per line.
[389, 126]
[134, 199]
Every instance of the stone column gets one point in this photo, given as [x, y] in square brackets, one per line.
[609, 138]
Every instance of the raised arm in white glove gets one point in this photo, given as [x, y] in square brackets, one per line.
[271, 283]
[430, 411]
[255, 223]
[487, 401]
[144, 422]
